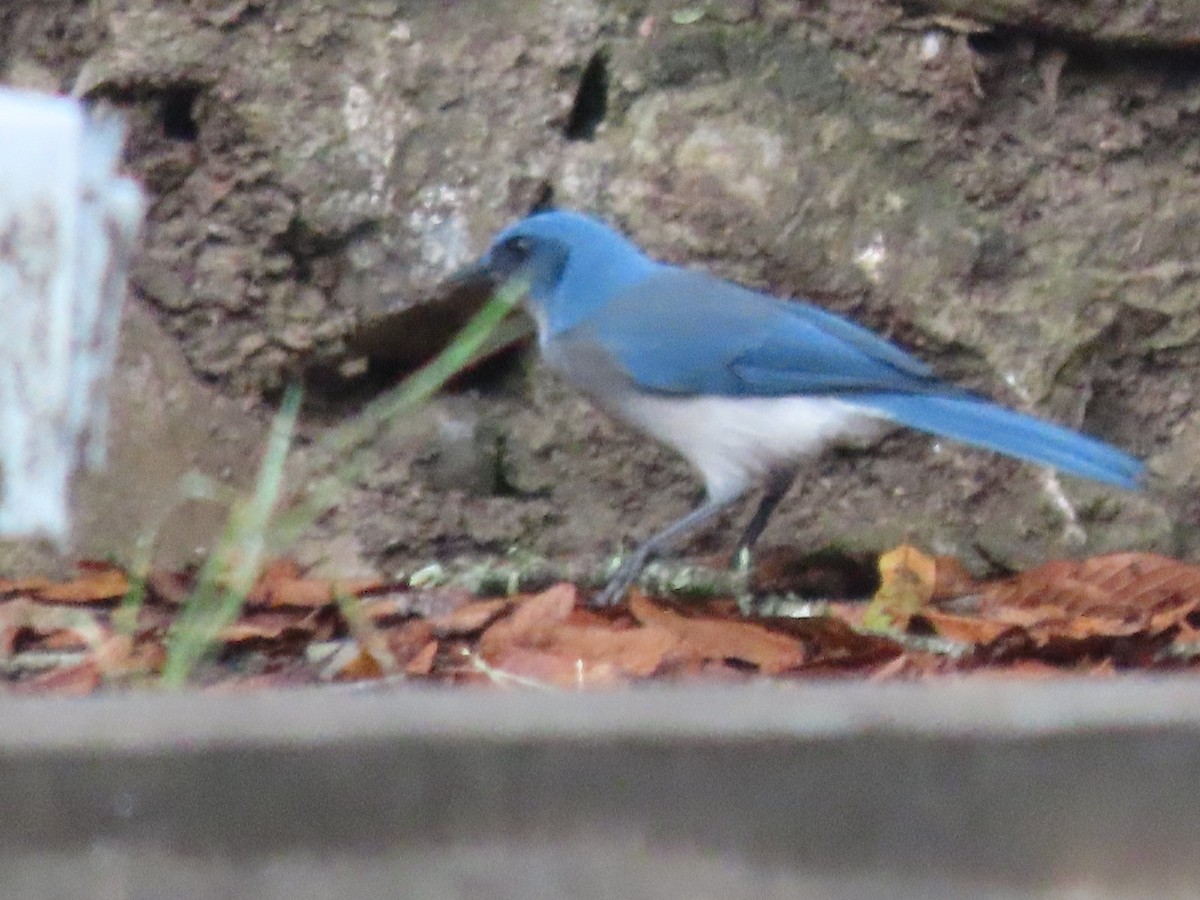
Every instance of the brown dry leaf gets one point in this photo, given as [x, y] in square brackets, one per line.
[313, 593]
[408, 640]
[468, 619]
[831, 643]
[172, 588]
[363, 666]
[909, 665]
[23, 621]
[308, 593]
[422, 663]
[357, 587]
[69, 681]
[538, 641]
[906, 582]
[720, 638]
[380, 609]
[637, 652]
[10, 627]
[369, 638]
[282, 583]
[611, 618]
[100, 585]
[398, 601]
[531, 620]
[1115, 594]
[951, 579]
[267, 627]
[63, 639]
[120, 655]
[552, 669]
[965, 629]
[24, 585]
[279, 569]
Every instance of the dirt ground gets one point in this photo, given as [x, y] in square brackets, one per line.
[1015, 201]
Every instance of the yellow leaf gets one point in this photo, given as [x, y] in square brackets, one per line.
[906, 581]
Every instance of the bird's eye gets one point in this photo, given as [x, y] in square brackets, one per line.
[510, 255]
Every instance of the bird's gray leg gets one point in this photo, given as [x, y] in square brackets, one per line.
[633, 564]
[777, 485]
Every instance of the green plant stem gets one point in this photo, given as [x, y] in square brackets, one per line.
[230, 571]
[232, 568]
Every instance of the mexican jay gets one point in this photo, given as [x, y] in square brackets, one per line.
[744, 385]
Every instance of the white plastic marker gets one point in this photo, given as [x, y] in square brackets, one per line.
[68, 225]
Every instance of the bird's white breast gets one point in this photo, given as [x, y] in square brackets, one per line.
[733, 442]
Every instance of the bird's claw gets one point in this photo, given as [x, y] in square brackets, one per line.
[620, 583]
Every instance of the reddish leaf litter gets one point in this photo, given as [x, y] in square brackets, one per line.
[928, 617]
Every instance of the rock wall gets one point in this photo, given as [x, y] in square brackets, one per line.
[1012, 194]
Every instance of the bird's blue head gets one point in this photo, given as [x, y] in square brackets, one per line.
[573, 264]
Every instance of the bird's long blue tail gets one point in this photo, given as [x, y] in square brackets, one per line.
[985, 424]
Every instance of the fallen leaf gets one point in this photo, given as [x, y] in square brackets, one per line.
[363, 666]
[24, 585]
[282, 583]
[910, 666]
[951, 580]
[60, 639]
[468, 619]
[722, 639]
[70, 681]
[539, 667]
[302, 592]
[408, 640]
[394, 602]
[831, 643]
[907, 579]
[172, 588]
[952, 627]
[538, 641]
[120, 655]
[1118, 594]
[637, 652]
[267, 627]
[97, 586]
[23, 621]
[530, 622]
[422, 663]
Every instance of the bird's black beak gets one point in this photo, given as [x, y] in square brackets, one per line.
[498, 265]
[478, 274]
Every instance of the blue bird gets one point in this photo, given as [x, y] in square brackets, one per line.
[744, 385]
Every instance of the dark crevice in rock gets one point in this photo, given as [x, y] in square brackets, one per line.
[591, 100]
[1092, 59]
[544, 199]
[306, 246]
[1073, 26]
[177, 113]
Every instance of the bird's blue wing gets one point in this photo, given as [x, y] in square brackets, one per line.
[685, 332]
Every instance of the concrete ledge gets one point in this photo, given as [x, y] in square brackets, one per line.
[983, 787]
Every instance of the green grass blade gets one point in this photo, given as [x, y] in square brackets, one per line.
[231, 569]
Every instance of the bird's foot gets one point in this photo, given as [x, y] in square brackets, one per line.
[743, 561]
[621, 581]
